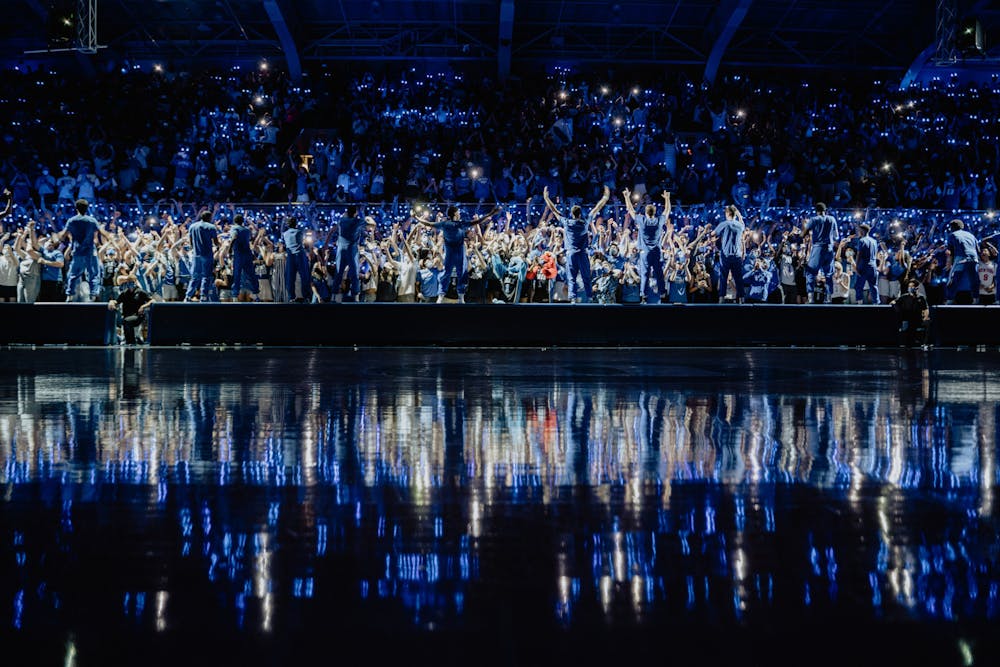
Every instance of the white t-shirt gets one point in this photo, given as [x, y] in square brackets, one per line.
[841, 285]
[8, 271]
[406, 283]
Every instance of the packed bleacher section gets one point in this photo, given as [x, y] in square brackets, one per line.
[150, 150]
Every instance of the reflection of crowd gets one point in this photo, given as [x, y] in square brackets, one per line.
[389, 454]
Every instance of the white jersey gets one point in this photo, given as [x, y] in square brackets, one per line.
[987, 277]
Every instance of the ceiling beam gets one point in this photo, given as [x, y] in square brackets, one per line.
[281, 27]
[724, 23]
[506, 39]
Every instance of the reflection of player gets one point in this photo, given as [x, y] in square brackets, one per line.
[576, 241]
[650, 240]
[454, 231]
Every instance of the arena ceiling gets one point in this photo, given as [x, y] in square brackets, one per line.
[818, 34]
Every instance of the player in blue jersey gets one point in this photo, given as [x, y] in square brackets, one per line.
[351, 232]
[651, 228]
[866, 266]
[731, 234]
[823, 228]
[454, 230]
[244, 273]
[204, 237]
[296, 261]
[82, 230]
[963, 252]
[576, 241]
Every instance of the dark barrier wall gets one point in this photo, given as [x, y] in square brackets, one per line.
[521, 325]
[965, 325]
[56, 323]
[374, 324]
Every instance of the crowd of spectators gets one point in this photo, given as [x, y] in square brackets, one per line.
[258, 146]
[138, 135]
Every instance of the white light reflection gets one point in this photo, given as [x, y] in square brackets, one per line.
[161, 610]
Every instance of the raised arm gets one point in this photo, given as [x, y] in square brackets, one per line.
[424, 221]
[627, 196]
[10, 200]
[666, 203]
[548, 202]
[600, 205]
[485, 217]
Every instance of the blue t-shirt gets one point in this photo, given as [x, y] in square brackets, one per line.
[577, 233]
[730, 233]
[51, 272]
[963, 246]
[293, 240]
[454, 232]
[202, 236]
[352, 231]
[82, 228]
[241, 240]
[824, 229]
[650, 230]
[757, 281]
[867, 251]
[429, 282]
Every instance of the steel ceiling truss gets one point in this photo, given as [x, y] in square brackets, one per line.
[378, 40]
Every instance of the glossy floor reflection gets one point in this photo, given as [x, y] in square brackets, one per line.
[169, 506]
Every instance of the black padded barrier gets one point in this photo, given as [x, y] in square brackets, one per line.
[56, 324]
[524, 325]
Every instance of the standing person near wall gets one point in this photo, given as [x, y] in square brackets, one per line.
[731, 234]
[866, 266]
[651, 229]
[822, 227]
[454, 231]
[576, 241]
[963, 257]
[83, 231]
[296, 262]
[204, 237]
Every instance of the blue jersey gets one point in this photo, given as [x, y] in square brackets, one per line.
[202, 235]
[454, 232]
[352, 231]
[730, 233]
[824, 229]
[650, 230]
[867, 251]
[429, 282]
[241, 240]
[82, 228]
[293, 240]
[53, 273]
[963, 246]
[757, 283]
[577, 234]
